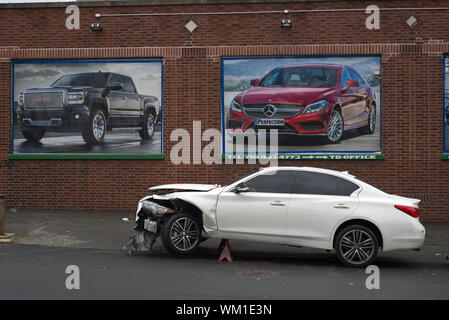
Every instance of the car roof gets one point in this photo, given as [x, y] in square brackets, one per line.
[323, 65]
[87, 73]
[312, 169]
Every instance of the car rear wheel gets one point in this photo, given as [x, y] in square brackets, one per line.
[356, 246]
[181, 234]
[96, 128]
[335, 127]
[34, 136]
[371, 126]
[149, 126]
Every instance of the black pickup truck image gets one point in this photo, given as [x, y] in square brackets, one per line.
[90, 103]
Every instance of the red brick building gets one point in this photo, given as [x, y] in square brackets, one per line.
[412, 141]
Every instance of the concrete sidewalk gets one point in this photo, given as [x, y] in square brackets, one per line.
[70, 228]
[107, 230]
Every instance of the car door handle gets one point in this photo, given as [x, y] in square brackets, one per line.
[124, 98]
[341, 206]
[277, 203]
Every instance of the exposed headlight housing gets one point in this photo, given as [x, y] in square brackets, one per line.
[235, 106]
[156, 209]
[75, 97]
[316, 106]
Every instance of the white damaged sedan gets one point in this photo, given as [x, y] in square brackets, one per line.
[297, 206]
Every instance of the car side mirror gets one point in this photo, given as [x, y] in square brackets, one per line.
[241, 188]
[254, 82]
[352, 83]
[115, 86]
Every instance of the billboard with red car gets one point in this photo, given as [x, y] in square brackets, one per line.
[316, 104]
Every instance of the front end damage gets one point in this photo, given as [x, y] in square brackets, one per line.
[149, 220]
[154, 210]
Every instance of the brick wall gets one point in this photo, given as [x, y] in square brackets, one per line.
[412, 89]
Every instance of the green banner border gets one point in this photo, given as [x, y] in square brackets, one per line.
[310, 156]
[75, 156]
[445, 156]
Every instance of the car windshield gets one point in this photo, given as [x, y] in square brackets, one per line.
[241, 178]
[97, 80]
[301, 76]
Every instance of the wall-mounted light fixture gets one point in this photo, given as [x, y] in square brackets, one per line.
[96, 27]
[286, 23]
[412, 21]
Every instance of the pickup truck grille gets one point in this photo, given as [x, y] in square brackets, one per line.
[44, 100]
[283, 110]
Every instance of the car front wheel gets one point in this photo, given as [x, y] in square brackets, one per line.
[356, 246]
[96, 128]
[335, 127]
[181, 234]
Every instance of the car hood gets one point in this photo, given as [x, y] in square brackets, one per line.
[49, 89]
[296, 95]
[184, 187]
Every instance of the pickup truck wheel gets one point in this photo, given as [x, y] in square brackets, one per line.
[34, 136]
[149, 124]
[181, 234]
[96, 128]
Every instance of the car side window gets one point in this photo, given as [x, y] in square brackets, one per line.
[355, 76]
[128, 85]
[115, 79]
[323, 184]
[345, 76]
[279, 182]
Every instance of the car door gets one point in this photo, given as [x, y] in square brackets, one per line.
[116, 103]
[362, 93]
[317, 204]
[261, 211]
[131, 101]
[349, 99]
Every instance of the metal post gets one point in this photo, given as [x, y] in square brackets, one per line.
[2, 214]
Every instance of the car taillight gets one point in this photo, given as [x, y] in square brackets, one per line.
[411, 211]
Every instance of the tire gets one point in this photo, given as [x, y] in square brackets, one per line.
[96, 127]
[34, 136]
[172, 234]
[371, 126]
[335, 127]
[149, 126]
[447, 115]
[350, 252]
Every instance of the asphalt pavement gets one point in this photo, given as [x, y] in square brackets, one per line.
[121, 141]
[33, 267]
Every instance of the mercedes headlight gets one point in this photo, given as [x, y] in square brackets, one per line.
[155, 208]
[316, 106]
[235, 106]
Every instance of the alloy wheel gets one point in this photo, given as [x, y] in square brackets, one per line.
[357, 246]
[372, 118]
[335, 130]
[98, 126]
[184, 234]
[150, 126]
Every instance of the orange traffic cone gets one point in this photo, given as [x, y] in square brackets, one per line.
[225, 250]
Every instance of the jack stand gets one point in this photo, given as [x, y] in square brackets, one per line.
[225, 250]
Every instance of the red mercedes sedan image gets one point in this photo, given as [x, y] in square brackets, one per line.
[306, 99]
